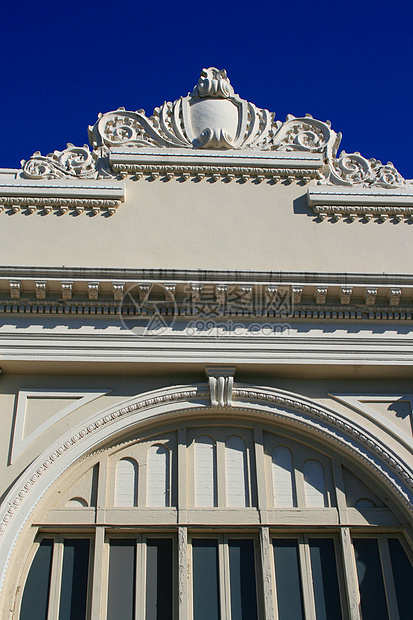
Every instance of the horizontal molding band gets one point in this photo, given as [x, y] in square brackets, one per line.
[206, 275]
[102, 308]
[201, 353]
[363, 203]
[205, 299]
[57, 195]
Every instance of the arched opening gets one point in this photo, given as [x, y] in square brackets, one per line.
[310, 537]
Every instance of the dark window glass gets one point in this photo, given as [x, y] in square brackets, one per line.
[73, 593]
[205, 579]
[372, 595]
[121, 587]
[403, 578]
[242, 579]
[325, 580]
[35, 599]
[288, 579]
[159, 579]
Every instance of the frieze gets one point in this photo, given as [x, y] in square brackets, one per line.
[202, 302]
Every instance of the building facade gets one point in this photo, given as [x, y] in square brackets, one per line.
[206, 353]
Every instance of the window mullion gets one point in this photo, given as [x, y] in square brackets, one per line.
[388, 578]
[224, 578]
[260, 476]
[350, 575]
[306, 579]
[183, 594]
[56, 579]
[140, 583]
[267, 561]
[99, 579]
[182, 475]
[222, 475]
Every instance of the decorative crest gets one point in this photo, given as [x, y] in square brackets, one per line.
[212, 117]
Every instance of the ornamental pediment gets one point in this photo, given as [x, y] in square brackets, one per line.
[213, 121]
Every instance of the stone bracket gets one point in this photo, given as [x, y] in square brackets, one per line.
[221, 383]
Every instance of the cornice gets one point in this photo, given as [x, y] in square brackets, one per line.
[363, 203]
[61, 195]
[319, 278]
[327, 298]
[215, 165]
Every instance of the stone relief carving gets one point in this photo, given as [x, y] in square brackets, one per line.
[212, 117]
[74, 161]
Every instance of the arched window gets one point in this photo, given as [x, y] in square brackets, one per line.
[206, 556]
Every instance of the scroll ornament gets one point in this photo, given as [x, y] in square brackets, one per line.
[74, 161]
[212, 117]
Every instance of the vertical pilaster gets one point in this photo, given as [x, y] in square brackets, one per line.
[98, 583]
[182, 476]
[260, 474]
[182, 573]
[266, 567]
[101, 499]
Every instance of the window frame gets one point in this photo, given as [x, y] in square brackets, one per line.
[385, 564]
[55, 584]
[305, 567]
[222, 537]
[140, 538]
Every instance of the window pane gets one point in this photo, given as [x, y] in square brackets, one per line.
[121, 590]
[288, 580]
[325, 581]
[403, 578]
[205, 579]
[35, 599]
[159, 579]
[242, 579]
[372, 595]
[73, 593]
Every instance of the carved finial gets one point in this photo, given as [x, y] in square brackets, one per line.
[213, 83]
[221, 383]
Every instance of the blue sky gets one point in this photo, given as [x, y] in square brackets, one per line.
[349, 62]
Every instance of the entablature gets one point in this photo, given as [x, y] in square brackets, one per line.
[206, 295]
